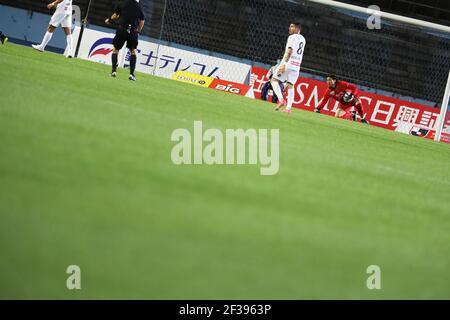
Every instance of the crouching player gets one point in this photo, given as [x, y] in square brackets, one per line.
[347, 95]
[268, 85]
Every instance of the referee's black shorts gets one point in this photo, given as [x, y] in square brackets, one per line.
[123, 36]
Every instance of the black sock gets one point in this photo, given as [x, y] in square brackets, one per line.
[132, 63]
[114, 62]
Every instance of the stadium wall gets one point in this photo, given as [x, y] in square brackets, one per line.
[26, 27]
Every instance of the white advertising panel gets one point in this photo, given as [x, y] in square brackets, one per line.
[160, 60]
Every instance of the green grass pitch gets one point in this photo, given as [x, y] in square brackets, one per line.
[86, 179]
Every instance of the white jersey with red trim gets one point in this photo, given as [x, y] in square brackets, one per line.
[297, 42]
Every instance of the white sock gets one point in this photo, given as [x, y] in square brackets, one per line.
[276, 88]
[290, 98]
[47, 37]
[69, 45]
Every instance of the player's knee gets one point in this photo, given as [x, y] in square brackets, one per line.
[133, 52]
[50, 28]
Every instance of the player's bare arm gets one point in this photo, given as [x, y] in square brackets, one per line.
[285, 60]
[141, 25]
[114, 16]
[54, 4]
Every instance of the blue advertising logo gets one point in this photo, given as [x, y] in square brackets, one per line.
[98, 48]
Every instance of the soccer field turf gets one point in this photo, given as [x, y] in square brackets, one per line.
[87, 180]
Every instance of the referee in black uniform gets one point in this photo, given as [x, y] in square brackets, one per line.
[131, 22]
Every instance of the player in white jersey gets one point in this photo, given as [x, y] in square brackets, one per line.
[63, 17]
[289, 68]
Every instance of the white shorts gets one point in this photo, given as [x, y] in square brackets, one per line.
[289, 75]
[65, 20]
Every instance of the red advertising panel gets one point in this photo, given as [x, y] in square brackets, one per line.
[231, 87]
[445, 133]
[382, 111]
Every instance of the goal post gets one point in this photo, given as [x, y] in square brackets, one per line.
[443, 123]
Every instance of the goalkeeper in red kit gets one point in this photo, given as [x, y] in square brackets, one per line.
[347, 95]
